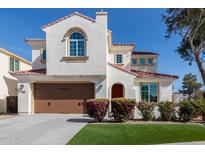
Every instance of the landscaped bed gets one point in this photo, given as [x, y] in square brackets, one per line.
[133, 134]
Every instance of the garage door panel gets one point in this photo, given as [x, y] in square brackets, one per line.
[62, 98]
[60, 106]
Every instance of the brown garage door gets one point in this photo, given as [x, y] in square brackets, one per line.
[62, 97]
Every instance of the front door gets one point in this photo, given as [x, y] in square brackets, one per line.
[117, 90]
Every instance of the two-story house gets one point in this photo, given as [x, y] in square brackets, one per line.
[10, 62]
[78, 61]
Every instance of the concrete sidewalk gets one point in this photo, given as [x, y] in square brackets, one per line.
[188, 143]
[40, 129]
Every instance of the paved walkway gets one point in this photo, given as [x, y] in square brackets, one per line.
[40, 128]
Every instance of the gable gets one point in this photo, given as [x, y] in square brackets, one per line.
[67, 17]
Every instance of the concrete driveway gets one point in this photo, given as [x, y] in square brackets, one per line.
[41, 128]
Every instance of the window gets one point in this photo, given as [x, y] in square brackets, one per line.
[118, 58]
[134, 61]
[149, 61]
[149, 92]
[77, 44]
[14, 65]
[43, 54]
[142, 61]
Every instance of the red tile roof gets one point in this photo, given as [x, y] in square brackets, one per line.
[31, 72]
[143, 74]
[144, 53]
[124, 44]
[61, 19]
[137, 73]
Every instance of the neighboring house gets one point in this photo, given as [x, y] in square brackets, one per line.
[178, 97]
[9, 62]
[78, 61]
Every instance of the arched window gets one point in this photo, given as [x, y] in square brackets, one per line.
[77, 44]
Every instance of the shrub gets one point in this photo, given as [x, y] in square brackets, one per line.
[203, 116]
[167, 110]
[203, 109]
[186, 110]
[97, 108]
[122, 108]
[147, 110]
[198, 105]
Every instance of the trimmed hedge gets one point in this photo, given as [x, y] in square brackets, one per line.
[147, 110]
[97, 108]
[122, 108]
[167, 110]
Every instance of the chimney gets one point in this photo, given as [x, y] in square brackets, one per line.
[101, 18]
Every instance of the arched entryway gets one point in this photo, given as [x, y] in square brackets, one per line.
[117, 90]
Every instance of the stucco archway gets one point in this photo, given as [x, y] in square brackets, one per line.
[117, 90]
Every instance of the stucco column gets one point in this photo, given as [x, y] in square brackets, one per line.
[110, 98]
[24, 98]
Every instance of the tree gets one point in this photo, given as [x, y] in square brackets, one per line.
[190, 25]
[191, 87]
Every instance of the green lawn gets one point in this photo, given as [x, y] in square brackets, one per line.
[130, 134]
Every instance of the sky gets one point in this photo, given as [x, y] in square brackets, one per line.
[144, 27]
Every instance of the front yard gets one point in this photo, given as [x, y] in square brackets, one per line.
[133, 134]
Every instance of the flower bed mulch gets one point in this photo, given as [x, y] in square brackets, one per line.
[140, 121]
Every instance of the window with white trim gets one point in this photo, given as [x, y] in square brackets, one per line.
[118, 59]
[142, 61]
[149, 92]
[134, 61]
[77, 44]
[14, 65]
[150, 61]
[43, 54]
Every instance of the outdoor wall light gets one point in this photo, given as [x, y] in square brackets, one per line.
[21, 87]
[100, 86]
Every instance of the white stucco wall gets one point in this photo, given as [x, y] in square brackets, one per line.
[96, 47]
[25, 98]
[144, 68]
[126, 58]
[36, 58]
[115, 75]
[8, 83]
[166, 90]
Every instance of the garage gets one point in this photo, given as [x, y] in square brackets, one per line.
[62, 97]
